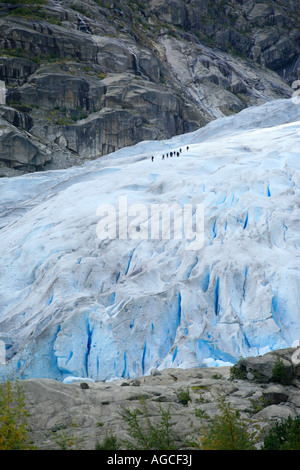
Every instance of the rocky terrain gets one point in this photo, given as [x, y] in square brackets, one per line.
[86, 412]
[84, 79]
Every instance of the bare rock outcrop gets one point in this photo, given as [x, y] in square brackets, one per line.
[21, 151]
[275, 366]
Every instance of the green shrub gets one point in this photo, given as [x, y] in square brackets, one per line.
[199, 413]
[227, 431]
[147, 434]
[280, 373]
[110, 443]
[257, 404]
[237, 372]
[66, 441]
[184, 396]
[217, 376]
[13, 417]
[283, 435]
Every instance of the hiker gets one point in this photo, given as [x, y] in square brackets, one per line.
[171, 154]
[180, 150]
[178, 154]
[152, 158]
[187, 148]
[163, 157]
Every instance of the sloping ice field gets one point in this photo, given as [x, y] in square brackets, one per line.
[127, 264]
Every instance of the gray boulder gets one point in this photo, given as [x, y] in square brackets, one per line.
[276, 413]
[275, 394]
[275, 366]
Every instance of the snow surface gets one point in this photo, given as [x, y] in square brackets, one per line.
[72, 305]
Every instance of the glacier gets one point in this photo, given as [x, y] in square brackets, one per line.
[75, 305]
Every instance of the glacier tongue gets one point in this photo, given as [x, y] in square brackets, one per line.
[74, 305]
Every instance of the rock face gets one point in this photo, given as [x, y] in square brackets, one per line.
[17, 147]
[274, 366]
[88, 411]
[266, 32]
[110, 74]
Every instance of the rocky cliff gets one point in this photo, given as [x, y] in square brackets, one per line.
[85, 78]
[86, 412]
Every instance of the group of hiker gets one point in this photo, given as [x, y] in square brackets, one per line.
[171, 154]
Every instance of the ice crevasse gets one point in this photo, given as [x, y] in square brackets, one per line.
[73, 304]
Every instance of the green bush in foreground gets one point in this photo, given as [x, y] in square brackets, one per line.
[283, 435]
[227, 431]
[110, 443]
[147, 434]
[13, 418]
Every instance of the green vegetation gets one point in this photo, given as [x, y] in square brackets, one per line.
[280, 373]
[110, 443]
[201, 400]
[31, 9]
[201, 414]
[146, 434]
[242, 96]
[63, 116]
[64, 440]
[237, 373]
[217, 376]
[22, 53]
[13, 418]
[184, 396]
[257, 405]
[228, 431]
[283, 435]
